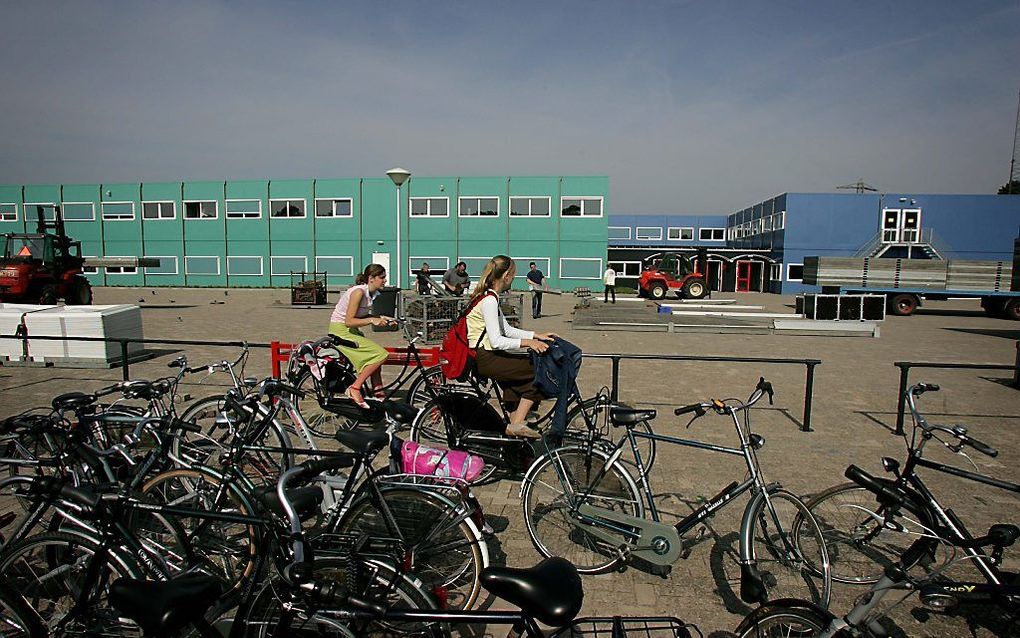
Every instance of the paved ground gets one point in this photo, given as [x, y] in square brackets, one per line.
[854, 405]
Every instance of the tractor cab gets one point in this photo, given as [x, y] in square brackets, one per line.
[676, 266]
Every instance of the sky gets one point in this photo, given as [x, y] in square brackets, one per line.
[688, 107]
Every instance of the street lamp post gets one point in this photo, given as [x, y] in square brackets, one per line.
[399, 176]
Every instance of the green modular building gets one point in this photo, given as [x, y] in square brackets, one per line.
[256, 233]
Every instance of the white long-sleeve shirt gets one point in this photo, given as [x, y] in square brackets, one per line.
[499, 335]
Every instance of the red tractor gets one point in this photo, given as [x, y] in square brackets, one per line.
[672, 272]
[41, 267]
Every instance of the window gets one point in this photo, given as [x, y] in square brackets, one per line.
[342, 207]
[780, 220]
[287, 208]
[8, 212]
[167, 266]
[121, 270]
[435, 263]
[795, 272]
[200, 210]
[626, 268]
[118, 210]
[648, 233]
[478, 207]
[430, 207]
[32, 211]
[286, 265]
[86, 269]
[580, 268]
[475, 265]
[244, 208]
[775, 271]
[78, 211]
[244, 266]
[581, 207]
[530, 206]
[338, 266]
[619, 232]
[711, 234]
[683, 233]
[201, 265]
[523, 266]
[159, 210]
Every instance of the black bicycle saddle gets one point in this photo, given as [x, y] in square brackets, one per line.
[306, 500]
[629, 416]
[72, 401]
[164, 608]
[550, 591]
[363, 441]
[400, 412]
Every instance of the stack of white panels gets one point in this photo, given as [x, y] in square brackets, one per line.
[83, 321]
[10, 321]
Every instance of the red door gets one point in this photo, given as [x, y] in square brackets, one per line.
[743, 276]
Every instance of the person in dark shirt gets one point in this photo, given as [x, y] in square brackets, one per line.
[536, 281]
[456, 281]
[424, 288]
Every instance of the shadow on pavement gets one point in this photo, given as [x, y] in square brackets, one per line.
[1012, 335]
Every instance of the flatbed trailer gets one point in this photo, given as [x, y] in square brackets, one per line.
[904, 301]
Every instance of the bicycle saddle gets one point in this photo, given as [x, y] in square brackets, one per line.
[72, 401]
[550, 591]
[363, 441]
[629, 416]
[400, 412]
[306, 500]
[164, 608]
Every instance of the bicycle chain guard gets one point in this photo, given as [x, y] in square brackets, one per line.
[658, 543]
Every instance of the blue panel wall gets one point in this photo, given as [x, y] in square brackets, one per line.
[617, 237]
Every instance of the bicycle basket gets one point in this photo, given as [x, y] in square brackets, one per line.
[619, 627]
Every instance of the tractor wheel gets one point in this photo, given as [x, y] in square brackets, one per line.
[79, 292]
[1012, 310]
[695, 289]
[903, 305]
[48, 295]
[657, 291]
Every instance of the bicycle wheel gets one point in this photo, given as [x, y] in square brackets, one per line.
[220, 424]
[791, 557]
[418, 394]
[48, 571]
[446, 549]
[320, 421]
[17, 618]
[782, 621]
[860, 545]
[597, 409]
[225, 549]
[553, 487]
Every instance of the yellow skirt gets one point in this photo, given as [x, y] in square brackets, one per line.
[367, 352]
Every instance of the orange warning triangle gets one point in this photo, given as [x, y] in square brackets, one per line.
[24, 252]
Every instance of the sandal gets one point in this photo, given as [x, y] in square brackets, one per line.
[354, 394]
[522, 430]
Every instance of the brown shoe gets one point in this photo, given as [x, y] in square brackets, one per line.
[522, 430]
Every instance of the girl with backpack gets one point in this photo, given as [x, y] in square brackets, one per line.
[352, 312]
[495, 341]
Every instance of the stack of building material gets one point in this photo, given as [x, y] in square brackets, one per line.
[120, 321]
[978, 275]
[10, 322]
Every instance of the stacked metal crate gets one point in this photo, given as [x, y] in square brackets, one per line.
[433, 316]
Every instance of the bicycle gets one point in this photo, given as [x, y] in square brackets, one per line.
[581, 503]
[864, 534]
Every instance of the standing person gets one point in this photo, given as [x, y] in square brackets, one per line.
[424, 284]
[495, 341]
[352, 312]
[535, 282]
[609, 279]
[456, 281]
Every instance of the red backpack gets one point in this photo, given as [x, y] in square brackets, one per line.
[455, 352]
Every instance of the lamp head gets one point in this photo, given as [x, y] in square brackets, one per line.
[398, 175]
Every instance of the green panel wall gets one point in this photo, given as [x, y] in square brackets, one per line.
[38, 194]
[163, 229]
[239, 252]
[431, 228]
[210, 248]
[289, 254]
[90, 231]
[338, 228]
[581, 264]
[247, 228]
[169, 250]
[545, 253]
[205, 229]
[119, 231]
[477, 253]
[432, 251]
[585, 228]
[292, 228]
[378, 221]
[482, 228]
[536, 228]
[126, 248]
[328, 249]
[12, 195]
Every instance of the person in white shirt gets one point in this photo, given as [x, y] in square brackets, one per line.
[495, 341]
[609, 279]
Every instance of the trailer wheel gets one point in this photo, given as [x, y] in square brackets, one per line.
[657, 290]
[695, 289]
[1012, 310]
[903, 305]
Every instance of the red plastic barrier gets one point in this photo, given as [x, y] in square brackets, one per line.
[279, 353]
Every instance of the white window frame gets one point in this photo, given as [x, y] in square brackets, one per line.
[478, 197]
[547, 198]
[600, 268]
[216, 210]
[589, 198]
[776, 271]
[4, 219]
[160, 217]
[304, 207]
[782, 220]
[626, 228]
[788, 278]
[429, 214]
[332, 207]
[638, 237]
[623, 271]
[229, 215]
[680, 235]
[430, 260]
[25, 208]
[90, 219]
[187, 271]
[177, 266]
[262, 266]
[272, 262]
[711, 229]
[523, 267]
[320, 268]
[102, 206]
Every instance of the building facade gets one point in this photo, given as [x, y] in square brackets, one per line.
[256, 233]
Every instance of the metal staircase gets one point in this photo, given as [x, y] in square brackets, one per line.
[929, 244]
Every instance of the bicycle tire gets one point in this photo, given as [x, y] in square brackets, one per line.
[46, 570]
[17, 618]
[552, 529]
[429, 428]
[860, 548]
[228, 550]
[782, 621]
[598, 410]
[219, 426]
[418, 396]
[792, 561]
[445, 546]
[322, 423]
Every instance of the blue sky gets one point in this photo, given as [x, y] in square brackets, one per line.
[688, 107]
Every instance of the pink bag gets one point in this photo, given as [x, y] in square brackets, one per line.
[427, 461]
